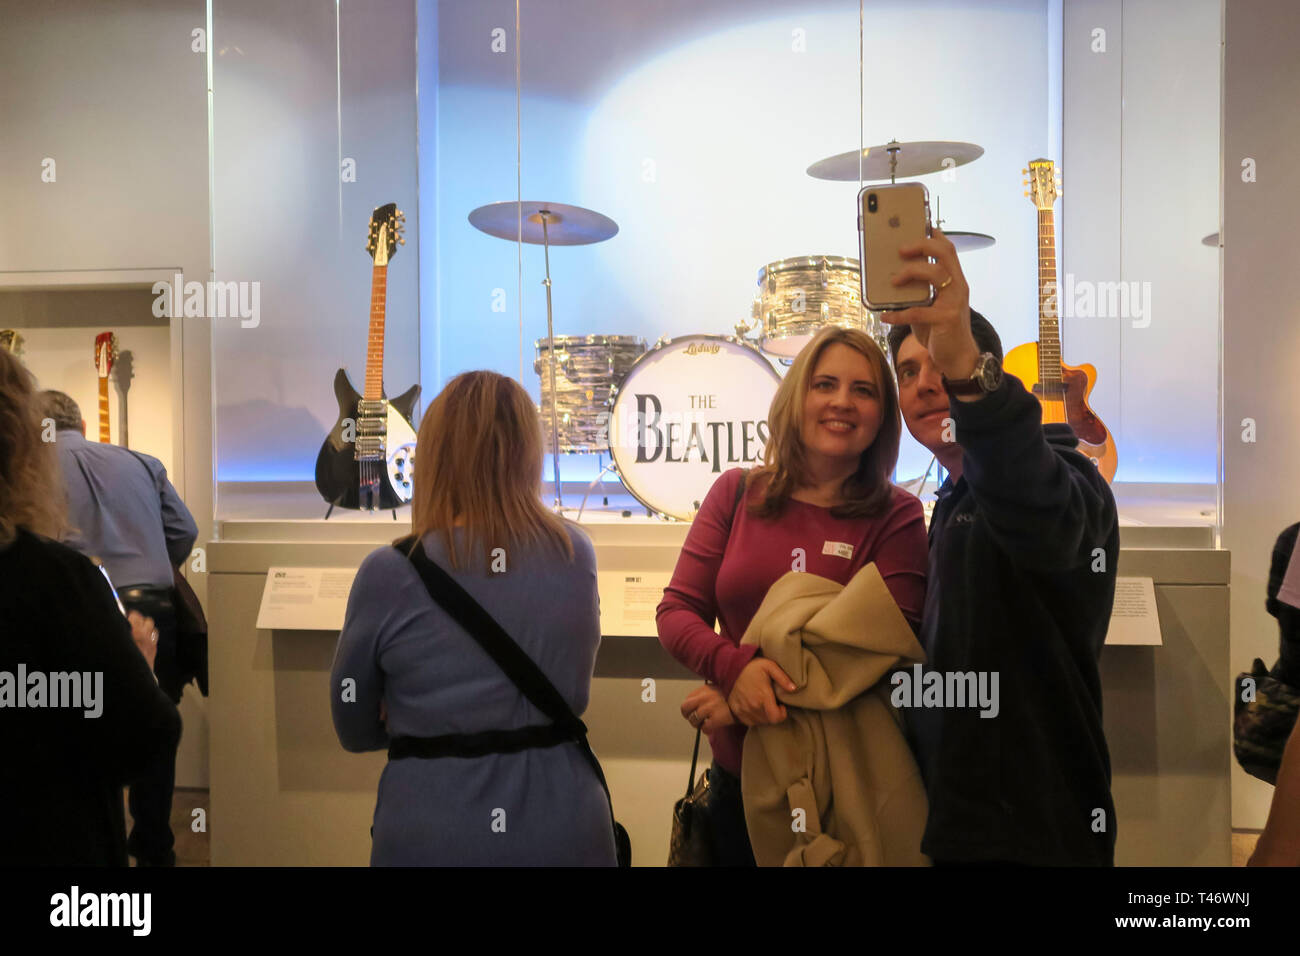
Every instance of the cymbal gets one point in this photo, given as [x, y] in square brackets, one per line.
[914, 159]
[565, 225]
[969, 241]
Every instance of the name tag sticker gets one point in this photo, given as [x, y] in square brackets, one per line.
[838, 548]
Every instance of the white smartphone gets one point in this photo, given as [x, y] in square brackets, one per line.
[104, 571]
[890, 216]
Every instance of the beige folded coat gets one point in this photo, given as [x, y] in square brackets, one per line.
[835, 784]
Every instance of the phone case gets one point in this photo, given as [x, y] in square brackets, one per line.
[901, 217]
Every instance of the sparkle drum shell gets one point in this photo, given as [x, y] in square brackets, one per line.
[586, 371]
[799, 296]
[688, 410]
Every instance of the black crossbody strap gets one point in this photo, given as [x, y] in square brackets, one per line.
[508, 655]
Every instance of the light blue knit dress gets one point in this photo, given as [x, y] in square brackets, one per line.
[535, 807]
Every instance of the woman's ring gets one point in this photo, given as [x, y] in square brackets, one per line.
[154, 636]
[946, 282]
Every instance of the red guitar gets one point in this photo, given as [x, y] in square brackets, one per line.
[105, 356]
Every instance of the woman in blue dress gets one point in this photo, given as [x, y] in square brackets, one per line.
[404, 668]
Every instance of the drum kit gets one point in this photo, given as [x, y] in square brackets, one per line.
[675, 416]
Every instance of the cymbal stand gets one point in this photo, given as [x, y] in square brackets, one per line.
[550, 341]
[893, 147]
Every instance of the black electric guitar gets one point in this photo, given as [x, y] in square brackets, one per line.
[368, 458]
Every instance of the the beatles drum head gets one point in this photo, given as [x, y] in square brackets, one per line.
[690, 409]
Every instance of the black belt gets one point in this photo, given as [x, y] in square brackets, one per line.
[157, 596]
[484, 743]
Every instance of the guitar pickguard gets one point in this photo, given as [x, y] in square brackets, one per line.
[385, 480]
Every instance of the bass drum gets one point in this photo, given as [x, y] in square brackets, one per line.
[688, 410]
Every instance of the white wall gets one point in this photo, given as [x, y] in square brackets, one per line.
[1261, 326]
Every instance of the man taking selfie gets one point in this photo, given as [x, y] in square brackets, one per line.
[1023, 545]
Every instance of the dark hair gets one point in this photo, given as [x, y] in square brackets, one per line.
[986, 337]
[61, 408]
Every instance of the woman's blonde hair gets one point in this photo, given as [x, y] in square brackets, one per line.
[478, 458]
[868, 490]
[31, 495]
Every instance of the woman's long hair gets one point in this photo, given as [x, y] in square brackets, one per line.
[868, 490]
[478, 458]
[31, 494]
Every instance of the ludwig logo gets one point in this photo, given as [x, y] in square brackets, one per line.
[695, 348]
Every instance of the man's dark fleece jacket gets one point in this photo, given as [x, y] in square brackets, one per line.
[1022, 577]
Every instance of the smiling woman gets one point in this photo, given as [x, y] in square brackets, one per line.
[823, 504]
[835, 428]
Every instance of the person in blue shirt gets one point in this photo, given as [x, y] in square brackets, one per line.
[124, 512]
[404, 668]
[1023, 545]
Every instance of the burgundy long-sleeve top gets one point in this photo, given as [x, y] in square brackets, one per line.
[724, 577]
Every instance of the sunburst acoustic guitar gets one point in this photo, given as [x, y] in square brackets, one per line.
[1062, 389]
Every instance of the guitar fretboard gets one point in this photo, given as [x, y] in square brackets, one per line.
[103, 411]
[374, 390]
[1049, 306]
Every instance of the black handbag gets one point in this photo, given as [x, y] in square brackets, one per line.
[1261, 726]
[692, 839]
[691, 843]
[525, 674]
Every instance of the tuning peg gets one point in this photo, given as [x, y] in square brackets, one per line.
[401, 242]
[1026, 194]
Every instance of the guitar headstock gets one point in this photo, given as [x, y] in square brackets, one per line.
[11, 341]
[385, 235]
[105, 353]
[1044, 182]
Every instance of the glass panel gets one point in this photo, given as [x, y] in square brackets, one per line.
[314, 125]
[694, 127]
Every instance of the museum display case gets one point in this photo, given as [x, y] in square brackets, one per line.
[670, 192]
